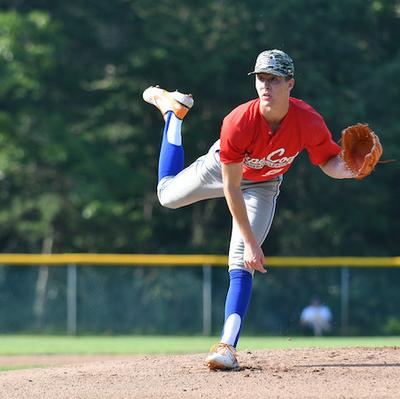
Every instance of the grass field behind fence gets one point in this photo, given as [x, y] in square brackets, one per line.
[135, 345]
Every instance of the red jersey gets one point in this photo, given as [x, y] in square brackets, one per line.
[246, 137]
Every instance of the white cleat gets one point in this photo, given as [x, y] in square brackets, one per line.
[222, 357]
[167, 101]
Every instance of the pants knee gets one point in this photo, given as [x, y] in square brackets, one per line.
[167, 203]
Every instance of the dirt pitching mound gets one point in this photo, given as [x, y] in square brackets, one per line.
[295, 373]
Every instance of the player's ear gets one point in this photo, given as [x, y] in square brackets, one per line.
[291, 83]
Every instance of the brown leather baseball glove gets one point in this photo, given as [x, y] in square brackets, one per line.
[361, 149]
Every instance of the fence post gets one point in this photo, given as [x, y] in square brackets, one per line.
[71, 299]
[207, 300]
[344, 300]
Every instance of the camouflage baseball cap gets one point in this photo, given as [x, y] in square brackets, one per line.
[275, 62]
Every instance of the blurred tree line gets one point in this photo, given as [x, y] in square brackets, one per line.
[79, 151]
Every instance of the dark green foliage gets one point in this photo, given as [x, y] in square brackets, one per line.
[79, 148]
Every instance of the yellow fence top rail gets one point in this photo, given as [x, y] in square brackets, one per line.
[187, 260]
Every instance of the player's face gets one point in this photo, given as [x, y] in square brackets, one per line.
[273, 91]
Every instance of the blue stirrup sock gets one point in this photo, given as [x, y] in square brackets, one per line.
[171, 159]
[237, 302]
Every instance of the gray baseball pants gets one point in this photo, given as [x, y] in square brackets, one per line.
[203, 180]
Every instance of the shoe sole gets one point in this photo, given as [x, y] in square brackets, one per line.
[183, 99]
[213, 364]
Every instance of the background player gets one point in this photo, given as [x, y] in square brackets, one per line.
[259, 141]
[316, 317]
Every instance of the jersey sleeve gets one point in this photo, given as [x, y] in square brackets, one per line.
[320, 145]
[234, 140]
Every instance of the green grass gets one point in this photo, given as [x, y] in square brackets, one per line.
[124, 345]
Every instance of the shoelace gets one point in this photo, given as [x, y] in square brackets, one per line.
[217, 347]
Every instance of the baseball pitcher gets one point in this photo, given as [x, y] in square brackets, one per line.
[259, 140]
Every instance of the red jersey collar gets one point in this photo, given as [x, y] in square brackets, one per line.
[285, 118]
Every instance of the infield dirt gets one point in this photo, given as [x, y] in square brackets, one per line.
[295, 373]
